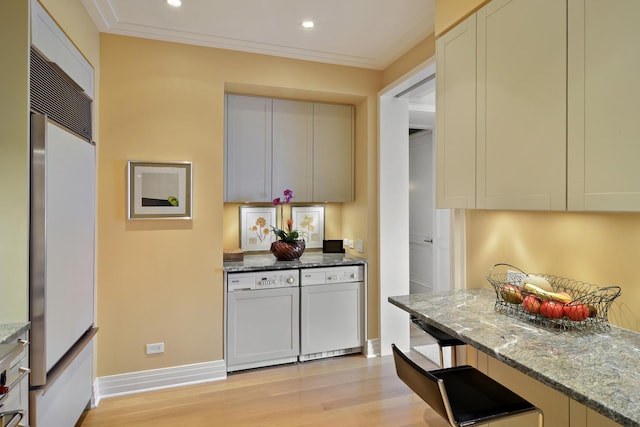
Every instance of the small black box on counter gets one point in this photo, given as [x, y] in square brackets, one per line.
[332, 246]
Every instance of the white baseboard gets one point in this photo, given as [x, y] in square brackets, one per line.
[372, 348]
[157, 379]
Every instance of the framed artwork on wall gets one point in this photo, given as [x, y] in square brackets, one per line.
[255, 228]
[309, 220]
[159, 190]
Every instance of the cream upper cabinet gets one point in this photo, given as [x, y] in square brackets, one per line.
[247, 149]
[521, 105]
[456, 116]
[333, 153]
[603, 94]
[293, 149]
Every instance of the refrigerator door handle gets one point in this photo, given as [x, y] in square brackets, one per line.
[37, 249]
[69, 357]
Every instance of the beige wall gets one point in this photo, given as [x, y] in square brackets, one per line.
[597, 248]
[414, 57]
[450, 12]
[14, 160]
[162, 280]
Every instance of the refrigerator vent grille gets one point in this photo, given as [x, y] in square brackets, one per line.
[54, 93]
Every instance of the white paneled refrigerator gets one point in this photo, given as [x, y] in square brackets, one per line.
[62, 230]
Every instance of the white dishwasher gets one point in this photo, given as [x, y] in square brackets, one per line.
[331, 311]
[262, 319]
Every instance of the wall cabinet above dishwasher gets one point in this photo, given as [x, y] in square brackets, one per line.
[274, 144]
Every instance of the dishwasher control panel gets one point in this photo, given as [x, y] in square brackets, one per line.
[255, 280]
[321, 276]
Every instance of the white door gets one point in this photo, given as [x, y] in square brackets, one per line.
[429, 228]
[421, 212]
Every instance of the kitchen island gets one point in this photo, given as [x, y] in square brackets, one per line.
[598, 370]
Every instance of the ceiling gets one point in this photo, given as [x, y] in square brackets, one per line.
[359, 33]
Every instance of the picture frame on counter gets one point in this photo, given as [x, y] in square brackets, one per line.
[159, 190]
[309, 220]
[255, 228]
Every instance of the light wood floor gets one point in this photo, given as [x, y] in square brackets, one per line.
[344, 391]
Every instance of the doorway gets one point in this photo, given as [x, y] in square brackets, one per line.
[395, 226]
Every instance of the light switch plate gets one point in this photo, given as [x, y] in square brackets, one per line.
[360, 246]
[351, 244]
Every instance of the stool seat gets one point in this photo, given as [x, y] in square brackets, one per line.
[462, 395]
[442, 338]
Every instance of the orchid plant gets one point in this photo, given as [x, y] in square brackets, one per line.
[288, 235]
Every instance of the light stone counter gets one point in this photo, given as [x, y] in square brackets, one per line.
[600, 370]
[307, 260]
[9, 332]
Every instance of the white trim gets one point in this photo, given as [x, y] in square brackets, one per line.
[158, 379]
[393, 205]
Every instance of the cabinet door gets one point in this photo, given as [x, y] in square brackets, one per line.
[293, 149]
[456, 116]
[521, 105]
[332, 153]
[247, 149]
[604, 64]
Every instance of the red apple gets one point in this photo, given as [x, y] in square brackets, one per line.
[531, 304]
[552, 309]
[576, 311]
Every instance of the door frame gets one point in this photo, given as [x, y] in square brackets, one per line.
[393, 224]
[393, 220]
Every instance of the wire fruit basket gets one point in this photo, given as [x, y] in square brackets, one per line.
[584, 307]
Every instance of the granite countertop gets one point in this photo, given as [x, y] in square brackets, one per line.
[599, 370]
[308, 260]
[9, 332]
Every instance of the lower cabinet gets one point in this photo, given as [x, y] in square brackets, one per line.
[17, 398]
[559, 410]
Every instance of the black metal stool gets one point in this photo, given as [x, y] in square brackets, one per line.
[442, 338]
[462, 395]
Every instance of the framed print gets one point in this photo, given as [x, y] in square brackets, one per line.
[255, 228]
[159, 190]
[309, 220]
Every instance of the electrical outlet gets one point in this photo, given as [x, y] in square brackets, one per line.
[155, 348]
[360, 246]
[351, 244]
[345, 242]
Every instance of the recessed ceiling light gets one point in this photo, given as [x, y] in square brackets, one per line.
[308, 24]
[174, 3]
